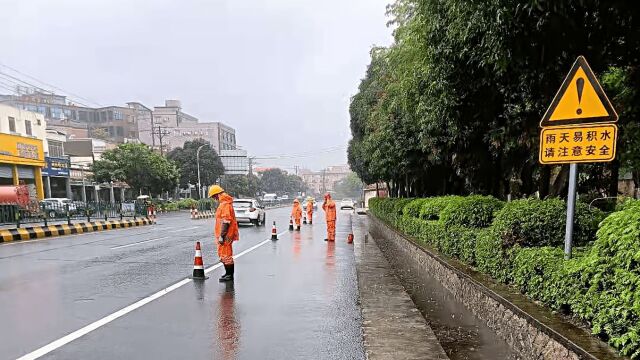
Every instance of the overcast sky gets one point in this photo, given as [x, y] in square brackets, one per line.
[281, 72]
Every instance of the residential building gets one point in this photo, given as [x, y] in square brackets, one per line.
[170, 127]
[116, 123]
[22, 137]
[55, 173]
[320, 182]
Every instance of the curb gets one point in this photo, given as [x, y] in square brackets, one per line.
[39, 232]
[203, 215]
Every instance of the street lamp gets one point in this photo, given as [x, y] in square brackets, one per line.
[198, 165]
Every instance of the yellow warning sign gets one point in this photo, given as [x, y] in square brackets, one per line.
[580, 100]
[578, 144]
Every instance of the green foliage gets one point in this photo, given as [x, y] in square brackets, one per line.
[211, 167]
[278, 181]
[349, 187]
[473, 211]
[414, 207]
[454, 104]
[433, 207]
[139, 167]
[533, 222]
[187, 203]
[241, 185]
[599, 285]
[628, 203]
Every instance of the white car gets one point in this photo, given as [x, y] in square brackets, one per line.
[347, 204]
[58, 206]
[249, 211]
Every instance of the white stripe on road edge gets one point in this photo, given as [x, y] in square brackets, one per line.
[137, 243]
[124, 311]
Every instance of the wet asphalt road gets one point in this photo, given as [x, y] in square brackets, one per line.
[292, 299]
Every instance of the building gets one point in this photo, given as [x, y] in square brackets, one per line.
[55, 173]
[169, 127]
[22, 138]
[320, 182]
[117, 123]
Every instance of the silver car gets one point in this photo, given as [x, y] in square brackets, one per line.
[249, 211]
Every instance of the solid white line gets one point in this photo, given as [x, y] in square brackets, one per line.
[109, 318]
[137, 243]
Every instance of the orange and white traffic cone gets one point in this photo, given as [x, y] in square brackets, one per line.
[274, 232]
[290, 224]
[198, 266]
[193, 214]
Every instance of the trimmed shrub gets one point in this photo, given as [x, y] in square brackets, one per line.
[627, 204]
[491, 256]
[537, 273]
[533, 222]
[472, 211]
[432, 207]
[413, 208]
[459, 242]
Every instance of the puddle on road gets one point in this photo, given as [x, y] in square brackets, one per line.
[460, 333]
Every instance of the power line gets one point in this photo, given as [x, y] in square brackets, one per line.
[301, 155]
[50, 85]
[21, 82]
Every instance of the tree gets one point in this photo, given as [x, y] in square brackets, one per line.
[241, 185]
[139, 167]
[349, 187]
[454, 105]
[211, 167]
[278, 181]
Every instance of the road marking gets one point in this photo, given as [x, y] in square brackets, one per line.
[185, 229]
[137, 243]
[124, 311]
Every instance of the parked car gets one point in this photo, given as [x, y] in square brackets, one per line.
[347, 204]
[249, 211]
[56, 207]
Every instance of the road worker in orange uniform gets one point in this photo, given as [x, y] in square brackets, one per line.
[329, 207]
[226, 230]
[310, 211]
[296, 213]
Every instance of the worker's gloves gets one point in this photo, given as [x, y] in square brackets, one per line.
[221, 240]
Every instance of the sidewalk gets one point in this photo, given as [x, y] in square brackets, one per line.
[393, 328]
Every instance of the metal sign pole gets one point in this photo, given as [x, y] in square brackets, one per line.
[571, 209]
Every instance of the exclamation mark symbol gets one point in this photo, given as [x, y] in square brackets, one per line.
[580, 86]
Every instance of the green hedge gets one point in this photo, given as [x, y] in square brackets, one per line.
[533, 222]
[599, 285]
[414, 207]
[474, 211]
[432, 207]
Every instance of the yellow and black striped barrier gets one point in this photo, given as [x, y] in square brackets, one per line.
[39, 232]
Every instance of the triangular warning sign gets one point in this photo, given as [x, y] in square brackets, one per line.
[580, 100]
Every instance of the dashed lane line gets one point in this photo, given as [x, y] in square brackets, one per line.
[138, 243]
[124, 311]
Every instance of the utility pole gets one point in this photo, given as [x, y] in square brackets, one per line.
[161, 134]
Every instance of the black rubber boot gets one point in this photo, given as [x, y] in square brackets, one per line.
[228, 276]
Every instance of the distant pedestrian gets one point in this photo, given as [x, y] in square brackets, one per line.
[296, 213]
[329, 207]
[226, 230]
[310, 210]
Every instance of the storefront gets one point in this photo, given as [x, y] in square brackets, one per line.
[21, 162]
[56, 178]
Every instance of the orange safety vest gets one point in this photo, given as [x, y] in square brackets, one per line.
[225, 213]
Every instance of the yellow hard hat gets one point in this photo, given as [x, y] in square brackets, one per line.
[215, 190]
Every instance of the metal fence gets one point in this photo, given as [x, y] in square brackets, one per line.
[57, 211]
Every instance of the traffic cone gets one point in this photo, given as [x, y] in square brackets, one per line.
[274, 232]
[290, 224]
[198, 267]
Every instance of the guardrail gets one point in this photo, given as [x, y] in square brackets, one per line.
[49, 211]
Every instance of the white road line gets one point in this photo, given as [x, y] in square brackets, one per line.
[124, 311]
[137, 243]
[185, 229]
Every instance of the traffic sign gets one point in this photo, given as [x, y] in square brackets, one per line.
[580, 100]
[578, 144]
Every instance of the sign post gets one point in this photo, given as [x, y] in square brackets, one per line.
[578, 128]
